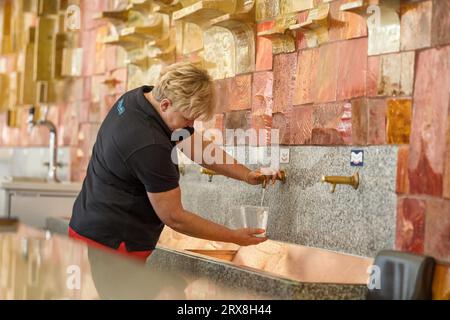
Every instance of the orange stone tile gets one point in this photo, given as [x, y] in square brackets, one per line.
[398, 127]
[360, 121]
[440, 34]
[284, 72]
[441, 282]
[352, 69]
[326, 137]
[428, 132]
[300, 36]
[377, 122]
[410, 225]
[264, 56]
[437, 230]
[306, 73]
[415, 25]
[240, 92]
[402, 170]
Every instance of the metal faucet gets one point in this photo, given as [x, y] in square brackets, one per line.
[53, 143]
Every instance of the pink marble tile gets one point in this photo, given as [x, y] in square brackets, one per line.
[326, 137]
[68, 124]
[373, 75]
[410, 225]
[262, 92]
[88, 43]
[87, 136]
[325, 84]
[337, 119]
[300, 37]
[280, 122]
[440, 34]
[264, 54]
[88, 9]
[377, 122]
[428, 133]
[345, 25]
[222, 95]
[437, 229]
[87, 88]
[360, 115]
[306, 73]
[415, 25]
[111, 58]
[301, 125]
[262, 124]
[284, 71]
[237, 120]
[402, 170]
[446, 186]
[352, 69]
[240, 92]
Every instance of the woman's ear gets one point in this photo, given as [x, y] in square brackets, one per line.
[165, 104]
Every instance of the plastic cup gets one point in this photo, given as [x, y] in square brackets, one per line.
[255, 217]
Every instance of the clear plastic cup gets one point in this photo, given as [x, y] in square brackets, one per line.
[255, 217]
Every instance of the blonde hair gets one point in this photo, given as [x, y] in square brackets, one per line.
[189, 88]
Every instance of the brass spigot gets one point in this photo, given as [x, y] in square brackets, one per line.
[265, 178]
[208, 172]
[334, 180]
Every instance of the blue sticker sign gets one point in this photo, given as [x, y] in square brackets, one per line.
[357, 158]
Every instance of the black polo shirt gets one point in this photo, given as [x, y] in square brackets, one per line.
[131, 156]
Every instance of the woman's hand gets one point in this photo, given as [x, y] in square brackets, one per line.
[263, 176]
[247, 236]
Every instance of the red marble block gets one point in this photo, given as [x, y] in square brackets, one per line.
[284, 72]
[222, 95]
[262, 92]
[402, 170]
[345, 25]
[360, 120]
[88, 10]
[437, 229]
[306, 73]
[336, 118]
[440, 34]
[352, 69]
[415, 25]
[410, 225]
[237, 120]
[325, 84]
[264, 54]
[446, 186]
[68, 124]
[373, 75]
[300, 37]
[88, 43]
[301, 124]
[280, 122]
[377, 122]
[240, 92]
[428, 133]
[261, 123]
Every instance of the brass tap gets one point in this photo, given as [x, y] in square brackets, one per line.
[262, 178]
[334, 180]
[265, 178]
[208, 172]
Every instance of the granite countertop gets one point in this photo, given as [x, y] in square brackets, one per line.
[217, 279]
[23, 185]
